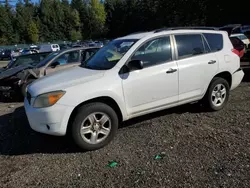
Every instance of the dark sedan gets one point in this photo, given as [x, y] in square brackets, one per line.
[5, 54]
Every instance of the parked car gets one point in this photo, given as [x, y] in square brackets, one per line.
[76, 46]
[5, 54]
[34, 47]
[99, 44]
[56, 61]
[64, 46]
[29, 51]
[16, 52]
[49, 48]
[243, 38]
[239, 46]
[9, 80]
[126, 79]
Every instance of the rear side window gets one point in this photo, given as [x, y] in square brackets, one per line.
[215, 41]
[189, 45]
[243, 37]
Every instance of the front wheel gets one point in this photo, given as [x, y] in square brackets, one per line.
[217, 94]
[95, 125]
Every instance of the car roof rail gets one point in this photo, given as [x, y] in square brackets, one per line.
[180, 28]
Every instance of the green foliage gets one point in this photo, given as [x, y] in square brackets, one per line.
[51, 20]
[75, 35]
[97, 17]
[32, 32]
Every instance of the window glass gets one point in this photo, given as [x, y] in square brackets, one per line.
[70, 57]
[73, 57]
[32, 59]
[207, 49]
[86, 54]
[154, 52]
[243, 37]
[189, 45]
[108, 56]
[215, 41]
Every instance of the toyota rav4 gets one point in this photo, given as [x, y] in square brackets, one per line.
[132, 76]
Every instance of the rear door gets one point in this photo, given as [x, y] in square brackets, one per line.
[197, 65]
[64, 61]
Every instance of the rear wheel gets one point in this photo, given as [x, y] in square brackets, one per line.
[95, 125]
[217, 94]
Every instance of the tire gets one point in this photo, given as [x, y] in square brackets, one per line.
[83, 116]
[24, 86]
[212, 94]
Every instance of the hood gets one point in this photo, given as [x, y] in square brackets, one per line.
[12, 71]
[63, 79]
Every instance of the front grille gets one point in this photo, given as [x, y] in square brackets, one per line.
[28, 97]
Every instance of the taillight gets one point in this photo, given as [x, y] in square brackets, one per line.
[239, 53]
[236, 52]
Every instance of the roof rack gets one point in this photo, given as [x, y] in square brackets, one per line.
[179, 28]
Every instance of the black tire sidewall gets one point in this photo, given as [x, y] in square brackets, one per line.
[82, 113]
[215, 82]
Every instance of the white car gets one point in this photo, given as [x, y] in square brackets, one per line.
[49, 48]
[243, 38]
[127, 78]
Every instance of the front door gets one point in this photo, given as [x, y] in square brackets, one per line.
[64, 61]
[156, 85]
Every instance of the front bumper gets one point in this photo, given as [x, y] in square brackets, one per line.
[52, 120]
[237, 78]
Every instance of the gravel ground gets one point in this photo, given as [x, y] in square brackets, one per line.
[199, 149]
[3, 63]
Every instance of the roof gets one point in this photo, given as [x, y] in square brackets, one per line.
[169, 31]
[78, 48]
[136, 35]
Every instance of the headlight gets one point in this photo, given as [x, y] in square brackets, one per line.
[48, 99]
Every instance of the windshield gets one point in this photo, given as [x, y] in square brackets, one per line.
[32, 59]
[47, 59]
[108, 56]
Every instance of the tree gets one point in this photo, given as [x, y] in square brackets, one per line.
[7, 34]
[75, 35]
[32, 31]
[96, 17]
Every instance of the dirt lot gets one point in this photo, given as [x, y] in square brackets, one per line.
[3, 63]
[201, 150]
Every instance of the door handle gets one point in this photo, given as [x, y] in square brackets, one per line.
[212, 62]
[171, 71]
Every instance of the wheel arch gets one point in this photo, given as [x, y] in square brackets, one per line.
[225, 75]
[104, 99]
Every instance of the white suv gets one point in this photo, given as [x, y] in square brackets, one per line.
[133, 76]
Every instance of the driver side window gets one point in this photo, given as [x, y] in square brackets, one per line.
[70, 57]
[154, 52]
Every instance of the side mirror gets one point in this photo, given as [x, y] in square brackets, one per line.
[54, 64]
[135, 65]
